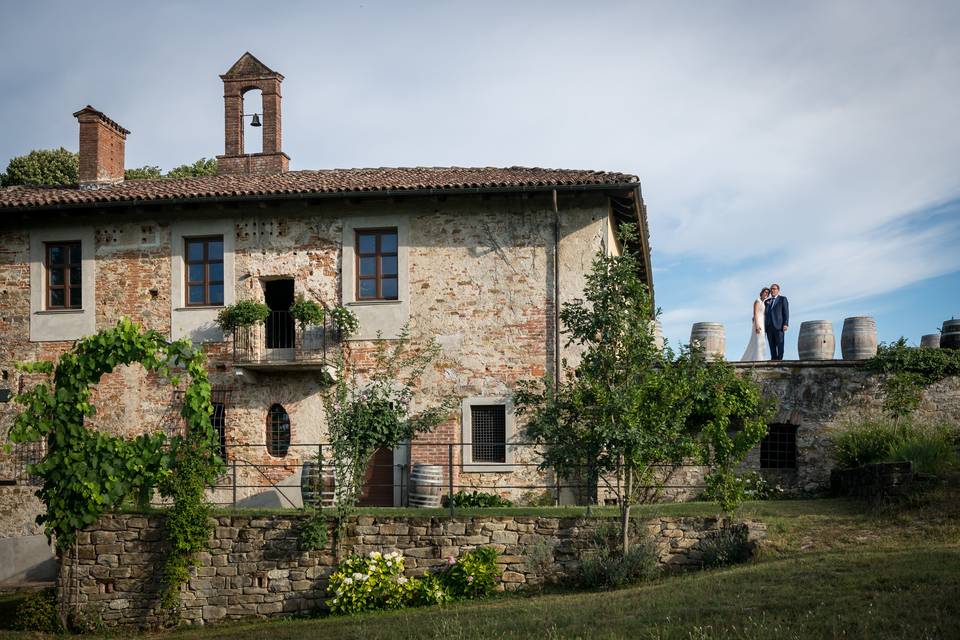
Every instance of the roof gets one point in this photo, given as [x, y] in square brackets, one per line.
[88, 110]
[248, 66]
[326, 182]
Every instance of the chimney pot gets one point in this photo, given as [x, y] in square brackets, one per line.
[101, 149]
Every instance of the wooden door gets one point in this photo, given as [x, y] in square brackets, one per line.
[378, 481]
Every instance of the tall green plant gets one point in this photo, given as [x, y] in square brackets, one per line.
[374, 408]
[629, 408]
[85, 473]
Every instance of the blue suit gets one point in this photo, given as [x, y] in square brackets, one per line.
[776, 316]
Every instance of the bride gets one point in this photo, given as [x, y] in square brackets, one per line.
[757, 348]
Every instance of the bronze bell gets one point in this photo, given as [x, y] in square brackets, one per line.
[256, 120]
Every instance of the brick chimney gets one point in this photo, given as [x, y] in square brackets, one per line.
[101, 149]
[249, 73]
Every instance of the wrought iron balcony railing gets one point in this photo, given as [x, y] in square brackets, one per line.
[281, 339]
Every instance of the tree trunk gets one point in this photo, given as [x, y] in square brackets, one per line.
[625, 502]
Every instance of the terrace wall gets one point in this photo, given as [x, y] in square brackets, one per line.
[254, 569]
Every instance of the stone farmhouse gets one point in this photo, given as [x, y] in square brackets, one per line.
[477, 258]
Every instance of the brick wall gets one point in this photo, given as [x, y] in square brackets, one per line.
[254, 569]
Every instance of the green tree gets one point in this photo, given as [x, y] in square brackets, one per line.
[42, 167]
[202, 167]
[146, 172]
[374, 410]
[629, 409]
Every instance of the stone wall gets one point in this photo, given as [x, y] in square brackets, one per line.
[823, 398]
[254, 568]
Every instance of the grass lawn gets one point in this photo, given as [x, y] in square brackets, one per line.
[830, 568]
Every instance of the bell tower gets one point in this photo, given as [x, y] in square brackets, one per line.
[245, 75]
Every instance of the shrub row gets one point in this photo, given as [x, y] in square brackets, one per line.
[376, 582]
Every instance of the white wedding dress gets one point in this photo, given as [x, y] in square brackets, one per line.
[757, 347]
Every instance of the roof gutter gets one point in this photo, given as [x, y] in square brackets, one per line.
[313, 195]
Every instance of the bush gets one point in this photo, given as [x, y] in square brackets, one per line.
[756, 487]
[376, 582]
[931, 449]
[604, 565]
[867, 442]
[476, 499]
[245, 313]
[427, 591]
[726, 546]
[38, 612]
[307, 312]
[369, 583]
[344, 320]
[474, 575]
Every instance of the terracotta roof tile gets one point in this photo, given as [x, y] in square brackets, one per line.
[330, 181]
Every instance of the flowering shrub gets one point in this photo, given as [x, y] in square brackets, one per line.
[376, 582]
[473, 575]
[370, 583]
[427, 591]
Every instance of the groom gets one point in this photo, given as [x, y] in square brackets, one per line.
[776, 317]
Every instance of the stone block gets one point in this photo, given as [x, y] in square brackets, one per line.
[214, 612]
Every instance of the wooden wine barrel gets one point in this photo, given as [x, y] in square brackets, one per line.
[950, 334]
[317, 484]
[815, 340]
[711, 337]
[858, 341]
[426, 485]
[930, 341]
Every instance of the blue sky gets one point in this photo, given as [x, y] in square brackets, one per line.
[814, 144]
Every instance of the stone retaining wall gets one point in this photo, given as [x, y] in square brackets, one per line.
[254, 568]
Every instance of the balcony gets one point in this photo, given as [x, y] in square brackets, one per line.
[282, 344]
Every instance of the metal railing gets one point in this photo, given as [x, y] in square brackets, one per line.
[255, 479]
[280, 338]
[14, 464]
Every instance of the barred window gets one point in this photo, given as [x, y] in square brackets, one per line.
[219, 422]
[489, 432]
[778, 450]
[278, 431]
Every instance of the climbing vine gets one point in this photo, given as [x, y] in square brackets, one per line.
[86, 472]
[907, 371]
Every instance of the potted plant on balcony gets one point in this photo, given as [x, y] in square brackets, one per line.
[345, 321]
[307, 312]
[245, 313]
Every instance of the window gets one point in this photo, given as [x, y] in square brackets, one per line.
[377, 272]
[278, 431]
[64, 275]
[488, 424]
[778, 450]
[204, 271]
[219, 422]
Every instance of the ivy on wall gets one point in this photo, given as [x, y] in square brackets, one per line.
[908, 370]
[86, 472]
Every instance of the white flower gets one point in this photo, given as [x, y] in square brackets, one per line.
[402, 580]
[376, 555]
[358, 576]
[348, 581]
[365, 576]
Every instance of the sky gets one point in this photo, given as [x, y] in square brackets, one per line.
[813, 144]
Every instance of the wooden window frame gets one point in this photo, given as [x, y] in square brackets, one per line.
[206, 262]
[68, 284]
[378, 255]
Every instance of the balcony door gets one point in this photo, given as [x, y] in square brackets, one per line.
[278, 295]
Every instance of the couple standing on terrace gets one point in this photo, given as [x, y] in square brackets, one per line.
[771, 315]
